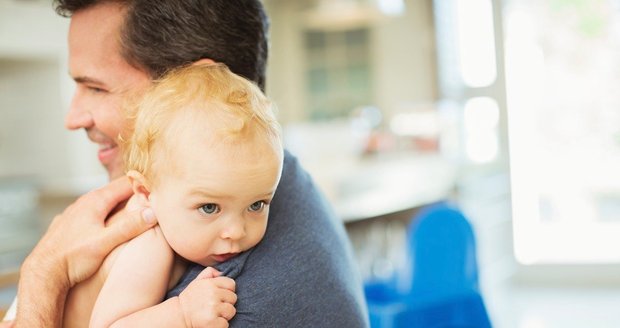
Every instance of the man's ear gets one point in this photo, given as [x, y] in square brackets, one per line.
[140, 187]
[204, 61]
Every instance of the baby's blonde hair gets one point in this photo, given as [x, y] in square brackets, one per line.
[238, 104]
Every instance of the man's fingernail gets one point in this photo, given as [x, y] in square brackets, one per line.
[148, 215]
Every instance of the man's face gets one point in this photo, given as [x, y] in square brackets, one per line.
[103, 80]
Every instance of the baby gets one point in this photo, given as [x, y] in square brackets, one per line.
[204, 152]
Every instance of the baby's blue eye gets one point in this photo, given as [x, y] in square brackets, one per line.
[209, 208]
[257, 206]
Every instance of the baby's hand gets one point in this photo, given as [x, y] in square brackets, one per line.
[209, 300]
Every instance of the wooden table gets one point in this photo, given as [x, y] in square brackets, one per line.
[8, 278]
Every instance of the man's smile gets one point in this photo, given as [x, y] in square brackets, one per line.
[108, 149]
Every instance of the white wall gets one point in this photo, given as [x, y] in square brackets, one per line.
[30, 29]
[35, 91]
[31, 135]
[403, 57]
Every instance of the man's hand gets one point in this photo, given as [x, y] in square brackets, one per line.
[78, 240]
[209, 300]
[73, 248]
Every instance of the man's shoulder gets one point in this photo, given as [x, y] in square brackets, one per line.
[298, 204]
[292, 171]
[296, 186]
[304, 263]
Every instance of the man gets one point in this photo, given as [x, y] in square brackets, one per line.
[300, 275]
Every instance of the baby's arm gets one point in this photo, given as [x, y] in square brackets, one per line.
[137, 283]
[137, 280]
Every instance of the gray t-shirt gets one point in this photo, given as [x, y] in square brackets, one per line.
[302, 273]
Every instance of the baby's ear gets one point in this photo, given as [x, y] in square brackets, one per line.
[140, 188]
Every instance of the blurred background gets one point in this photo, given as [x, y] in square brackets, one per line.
[508, 108]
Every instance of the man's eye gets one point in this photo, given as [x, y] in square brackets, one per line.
[209, 208]
[257, 206]
[96, 90]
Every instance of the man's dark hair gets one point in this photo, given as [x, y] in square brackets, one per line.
[160, 35]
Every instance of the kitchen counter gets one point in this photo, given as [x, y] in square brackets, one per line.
[381, 185]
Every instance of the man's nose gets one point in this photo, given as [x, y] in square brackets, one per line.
[234, 228]
[78, 116]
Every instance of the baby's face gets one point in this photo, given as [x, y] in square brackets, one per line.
[211, 198]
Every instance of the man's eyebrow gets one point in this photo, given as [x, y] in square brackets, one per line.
[88, 80]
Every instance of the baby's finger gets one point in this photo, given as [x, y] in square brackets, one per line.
[225, 282]
[219, 322]
[227, 310]
[208, 272]
[227, 296]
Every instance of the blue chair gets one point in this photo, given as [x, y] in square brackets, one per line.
[438, 288]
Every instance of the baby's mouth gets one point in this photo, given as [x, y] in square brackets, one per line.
[224, 257]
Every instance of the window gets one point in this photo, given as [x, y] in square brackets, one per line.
[338, 72]
[562, 84]
[469, 77]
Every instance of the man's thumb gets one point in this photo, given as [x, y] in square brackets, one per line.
[131, 226]
[148, 216]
